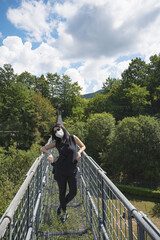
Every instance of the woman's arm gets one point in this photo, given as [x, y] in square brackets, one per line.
[45, 149]
[81, 145]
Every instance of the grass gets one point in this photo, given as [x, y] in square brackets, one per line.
[147, 208]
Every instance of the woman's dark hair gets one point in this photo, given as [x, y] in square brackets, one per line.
[66, 135]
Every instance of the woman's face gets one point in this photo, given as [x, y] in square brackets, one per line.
[58, 131]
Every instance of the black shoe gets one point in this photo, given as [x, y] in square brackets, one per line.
[58, 211]
[64, 217]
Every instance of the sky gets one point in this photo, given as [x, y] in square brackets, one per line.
[88, 40]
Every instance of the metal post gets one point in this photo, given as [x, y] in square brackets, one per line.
[98, 196]
[103, 204]
[88, 190]
[130, 225]
[140, 232]
[27, 207]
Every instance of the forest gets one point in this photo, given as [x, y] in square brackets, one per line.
[120, 126]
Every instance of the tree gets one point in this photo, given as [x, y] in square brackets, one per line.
[42, 86]
[100, 132]
[137, 97]
[14, 165]
[7, 77]
[26, 78]
[116, 102]
[68, 95]
[77, 128]
[78, 112]
[97, 104]
[54, 83]
[154, 73]
[46, 114]
[136, 73]
[64, 92]
[17, 114]
[153, 84]
[135, 152]
[109, 84]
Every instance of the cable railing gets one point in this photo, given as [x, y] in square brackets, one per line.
[108, 213]
[21, 219]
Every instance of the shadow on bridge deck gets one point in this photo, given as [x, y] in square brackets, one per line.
[75, 227]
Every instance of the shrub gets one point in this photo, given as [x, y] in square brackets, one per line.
[141, 192]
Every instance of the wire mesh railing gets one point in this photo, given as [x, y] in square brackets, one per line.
[21, 219]
[109, 213]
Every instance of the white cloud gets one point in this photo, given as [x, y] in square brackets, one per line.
[93, 32]
[95, 73]
[115, 69]
[109, 29]
[75, 76]
[66, 10]
[23, 58]
[33, 17]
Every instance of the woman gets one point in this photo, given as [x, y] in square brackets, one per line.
[66, 165]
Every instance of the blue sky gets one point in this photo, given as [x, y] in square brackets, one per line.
[89, 40]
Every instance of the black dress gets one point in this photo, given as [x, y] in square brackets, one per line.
[66, 163]
[66, 171]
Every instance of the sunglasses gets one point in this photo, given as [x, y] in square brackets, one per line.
[57, 130]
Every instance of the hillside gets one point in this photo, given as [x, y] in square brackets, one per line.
[90, 95]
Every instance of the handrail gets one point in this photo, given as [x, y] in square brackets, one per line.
[135, 213]
[8, 215]
[14, 204]
[104, 200]
[7, 218]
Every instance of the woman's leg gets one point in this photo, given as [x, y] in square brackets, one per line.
[72, 183]
[62, 184]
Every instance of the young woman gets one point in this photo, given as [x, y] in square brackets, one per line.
[66, 165]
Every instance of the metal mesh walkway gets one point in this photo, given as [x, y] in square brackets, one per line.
[75, 227]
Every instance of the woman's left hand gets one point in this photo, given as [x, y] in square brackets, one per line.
[78, 157]
[50, 158]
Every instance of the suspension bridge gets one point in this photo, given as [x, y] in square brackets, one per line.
[99, 211]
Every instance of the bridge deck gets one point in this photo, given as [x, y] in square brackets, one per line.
[75, 227]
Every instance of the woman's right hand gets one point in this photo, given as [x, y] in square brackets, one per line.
[50, 158]
[78, 157]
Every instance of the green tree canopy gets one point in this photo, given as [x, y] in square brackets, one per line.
[97, 104]
[109, 84]
[26, 78]
[100, 132]
[41, 85]
[137, 99]
[136, 73]
[7, 77]
[54, 82]
[135, 153]
[17, 114]
[68, 95]
[46, 114]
